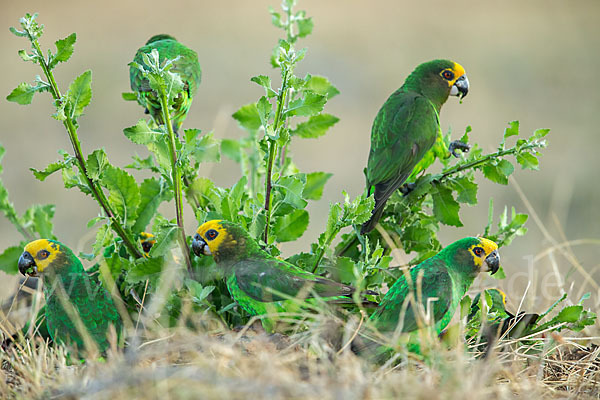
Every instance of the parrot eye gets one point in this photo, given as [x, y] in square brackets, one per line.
[478, 251]
[43, 254]
[448, 75]
[211, 234]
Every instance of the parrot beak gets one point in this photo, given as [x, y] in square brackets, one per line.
[199, 246]
[493, 262]
[460, 87]
[27, 262]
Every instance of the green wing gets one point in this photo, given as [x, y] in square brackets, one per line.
[270, 279]
[435, 282]
[403, 131]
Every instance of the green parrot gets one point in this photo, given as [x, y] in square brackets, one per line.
[260, 283]
[407, 126]
[38, 326]
[188, 68]
[66, 282]
[434, 287]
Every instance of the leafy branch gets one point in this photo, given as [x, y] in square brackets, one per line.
[68, 108]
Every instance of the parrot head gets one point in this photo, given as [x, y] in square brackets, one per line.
[472, 255]
[42, 254]
[223, 240]
[147, 240]
[439, 79]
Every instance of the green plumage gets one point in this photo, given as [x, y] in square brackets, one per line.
[67, 284]
[188, 68]
[258, 282]
[404, 130]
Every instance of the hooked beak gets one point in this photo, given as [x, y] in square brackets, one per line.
[460, 87]
[199, 246]
[26, 262]
[493, 262]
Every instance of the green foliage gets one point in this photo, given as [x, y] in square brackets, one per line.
[272, 194]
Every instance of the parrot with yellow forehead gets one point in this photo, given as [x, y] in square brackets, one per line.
[407, 126]
[434, 287]
[260, 283]
[75, 300]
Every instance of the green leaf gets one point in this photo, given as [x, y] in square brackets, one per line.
[290, 227]
[204, 150]
[198, 292]
[316, 126]
[129, 96]
[321, 85]
[50, 169]
[445, 208]
[64, 50]
[539, 133]
[264, 109]
[124, 194]
[305, 26]
[231, 149]
[104, 237]
[512, 130]
[498, 173]
[147, 268]
[22, 94]
[292, 186]
[311, 104]
[332, 227]
[570, 314]
[265, 82]
[96, 163]
[166, 234]
[315, 182]
[39, 218]
[528, 161]
[141, 133]
[248, 118]
[466, 189]
[9, 260]
[79, 94]
[152, 193]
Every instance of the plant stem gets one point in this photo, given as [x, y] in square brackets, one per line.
[273, 150]
[97, 192]
[322, 248]
[176, 176]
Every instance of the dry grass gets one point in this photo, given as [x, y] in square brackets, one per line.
[214, 363]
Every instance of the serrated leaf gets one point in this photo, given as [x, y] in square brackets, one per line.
[265, 82]
[104, 237]
[292, 188]
[231, 149]
[79, 95]
[141, 133]
[321, 85]
[147, 268]
[248, 118]
[22, 94]
[165, 239]
[512, 130]
[9, 260]
[64, 50]
[528, 161]
[570, 314]
[305, 26]
[206, 149]
[312, 103]
[539, 133]
[124, 194]
[152, 194]
[49, 170]
[290, 227]
[498, 173]
[315, 182]
[96, 163]
[332, 226]
[264, 109]
[445, 208]
[466, 189]
[316, 126]
[39, 219]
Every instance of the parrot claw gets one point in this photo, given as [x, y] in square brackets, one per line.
[407, 188]
[458, 145]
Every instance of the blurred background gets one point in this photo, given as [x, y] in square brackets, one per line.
[535, 61]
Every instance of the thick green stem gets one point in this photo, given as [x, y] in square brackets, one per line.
[97, 192]
[273, 150]
[176, 176]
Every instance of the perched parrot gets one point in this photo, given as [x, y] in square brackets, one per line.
[66, 282]
[407, 126]
[39, 327]
[434, 287]
[188, 68]
[258, 282]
